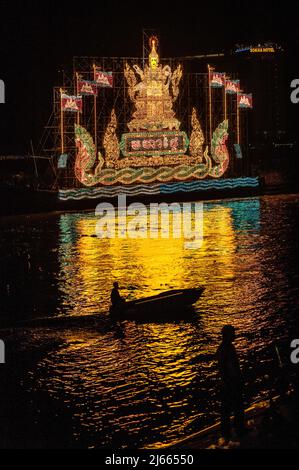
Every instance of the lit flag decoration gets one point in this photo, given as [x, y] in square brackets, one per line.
[71, 104]
[104, 79]
[87, 88]
[217, 80]
[232, 87]
[245, 101]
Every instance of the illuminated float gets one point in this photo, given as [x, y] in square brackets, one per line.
[155, 150]
[155, 156]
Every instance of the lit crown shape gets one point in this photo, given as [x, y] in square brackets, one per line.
[154, 95]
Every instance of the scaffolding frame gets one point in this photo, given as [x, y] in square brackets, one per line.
[194, 90]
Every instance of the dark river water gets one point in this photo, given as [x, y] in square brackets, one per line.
[142, 384]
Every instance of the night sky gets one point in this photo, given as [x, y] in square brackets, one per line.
[39, 39]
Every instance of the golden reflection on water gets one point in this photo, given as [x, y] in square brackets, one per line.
[143, 266]
[145, 383]
[150, 372]
[166, 351]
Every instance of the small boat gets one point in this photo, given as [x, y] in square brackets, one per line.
[168, 304]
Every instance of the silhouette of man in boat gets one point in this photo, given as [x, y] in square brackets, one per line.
[117, 301]
[232, 384]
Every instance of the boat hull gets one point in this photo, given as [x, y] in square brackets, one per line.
[171, 304]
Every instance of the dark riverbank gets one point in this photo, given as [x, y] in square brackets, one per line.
[30, 419]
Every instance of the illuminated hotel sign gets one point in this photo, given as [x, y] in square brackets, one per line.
[267, 50]
[155, 143]
[258, 49]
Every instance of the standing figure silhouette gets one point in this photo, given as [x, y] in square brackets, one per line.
[232, 384]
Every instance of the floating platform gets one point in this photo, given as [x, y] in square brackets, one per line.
[37, 201]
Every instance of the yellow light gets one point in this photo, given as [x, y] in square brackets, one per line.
[152, 265]
[154, 94]
[154, 91]
[254, 50]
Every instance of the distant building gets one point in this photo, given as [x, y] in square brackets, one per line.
[263, 69]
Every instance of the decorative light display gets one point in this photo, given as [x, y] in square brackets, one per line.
[217, 80]
[245, 101]
[87, 88]
[232, 87]
[155, 143]
[71, 104]
[159, 189]
[103, 79]
[155, 150]
[153, 95]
